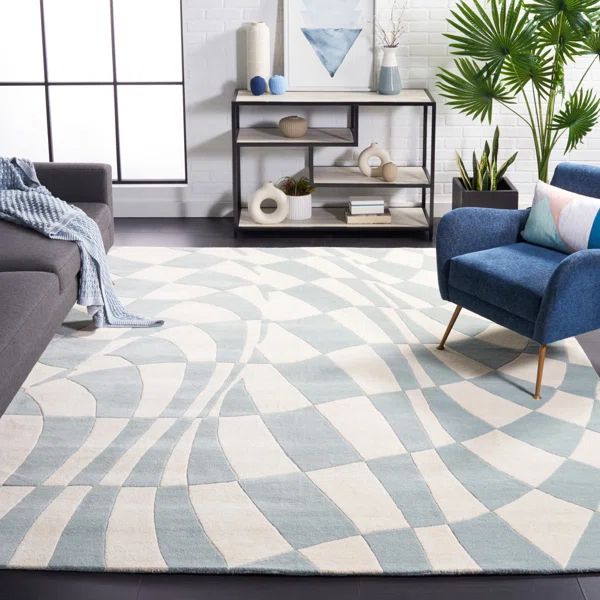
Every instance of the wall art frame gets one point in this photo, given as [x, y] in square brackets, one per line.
[330, 46]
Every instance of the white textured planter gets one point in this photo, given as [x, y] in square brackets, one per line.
[268, 192]
[300, 207]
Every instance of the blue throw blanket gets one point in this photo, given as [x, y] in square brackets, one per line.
[24, 201]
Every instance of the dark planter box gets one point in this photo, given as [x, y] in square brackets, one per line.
[507, 196]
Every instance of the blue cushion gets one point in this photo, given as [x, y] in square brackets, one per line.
[512, 277]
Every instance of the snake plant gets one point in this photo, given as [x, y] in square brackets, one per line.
[486, 173]
[518, 51]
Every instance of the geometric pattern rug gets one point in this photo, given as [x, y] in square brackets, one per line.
[294, 416]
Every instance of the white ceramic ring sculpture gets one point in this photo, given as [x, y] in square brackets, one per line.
[269, 192]
[373, 151]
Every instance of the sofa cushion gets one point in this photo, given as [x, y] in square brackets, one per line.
[513, 277]
[22, 294]
[23, 249]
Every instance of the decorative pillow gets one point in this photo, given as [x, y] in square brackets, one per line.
[562, 220]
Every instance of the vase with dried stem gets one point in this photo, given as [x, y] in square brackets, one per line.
[389, 33]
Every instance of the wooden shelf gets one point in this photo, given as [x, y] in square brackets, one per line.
[333, 218]
[407, 97]
[422, 177]
[408, 177]
[267, 136]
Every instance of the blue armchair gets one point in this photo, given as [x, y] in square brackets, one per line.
[545, 295]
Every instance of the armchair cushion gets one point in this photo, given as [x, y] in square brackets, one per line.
[512, 277]
[467, 230]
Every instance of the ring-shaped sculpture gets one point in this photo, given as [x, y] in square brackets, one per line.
[269, 192]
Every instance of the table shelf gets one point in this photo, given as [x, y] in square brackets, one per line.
[407, 97]
[410, 218]
[420, 177]
[408, 177]
[272, 136]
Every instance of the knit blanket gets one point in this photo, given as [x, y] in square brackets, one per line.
[26, 202]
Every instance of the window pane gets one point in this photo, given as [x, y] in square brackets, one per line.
[21, 41]
[83, 124]
[23, 122]
[78, 40]
[151, 132]
[148, 40]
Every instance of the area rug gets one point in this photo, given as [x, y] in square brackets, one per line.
[294, 416]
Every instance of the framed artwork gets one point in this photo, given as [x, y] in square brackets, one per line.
[329, 45]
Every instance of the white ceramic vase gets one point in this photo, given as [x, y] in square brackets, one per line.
[258, 53]
[390, 83]
[364, 160]
[268, 192]
[300, 207]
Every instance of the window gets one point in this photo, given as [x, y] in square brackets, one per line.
[97, 81]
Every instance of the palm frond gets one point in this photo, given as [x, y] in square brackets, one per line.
[591, 44]
[580, 115]
[491, 36]
[473, 90]
[579, 14]
[536, 69]
[566, 40]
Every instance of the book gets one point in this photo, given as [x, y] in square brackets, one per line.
[366, 202]
[366, 206]
[382, 219]
[374, 209]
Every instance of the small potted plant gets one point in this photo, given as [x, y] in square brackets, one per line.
[299, 192]
[488, 187]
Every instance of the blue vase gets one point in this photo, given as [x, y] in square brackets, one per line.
[278, 85]
[389, 76]
[258, 85]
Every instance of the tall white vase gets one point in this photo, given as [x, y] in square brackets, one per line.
[258, 53]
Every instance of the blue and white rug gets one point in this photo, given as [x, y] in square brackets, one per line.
[294, 416]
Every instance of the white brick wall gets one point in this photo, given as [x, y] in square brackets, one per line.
[215, 66]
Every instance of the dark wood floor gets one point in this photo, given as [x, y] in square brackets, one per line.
[30, 585]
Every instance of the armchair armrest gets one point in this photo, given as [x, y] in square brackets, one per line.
[74, 182]
[570, 305]
[467, 230]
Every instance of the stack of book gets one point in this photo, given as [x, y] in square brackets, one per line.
[367, 211]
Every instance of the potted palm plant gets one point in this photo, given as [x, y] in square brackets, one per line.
[513, 51]
[488, 187]
[299, 192]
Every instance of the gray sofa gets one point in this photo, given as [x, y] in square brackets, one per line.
[38, 276]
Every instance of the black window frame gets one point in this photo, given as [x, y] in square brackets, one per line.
[47, 85]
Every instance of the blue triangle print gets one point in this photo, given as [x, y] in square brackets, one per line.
[332, 45]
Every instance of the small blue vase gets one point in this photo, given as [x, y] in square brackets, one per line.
[278, 85]
[258, 85]
[389, 76]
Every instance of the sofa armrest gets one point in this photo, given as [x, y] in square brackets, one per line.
[467, 230]
[77, 182]
[570, 305]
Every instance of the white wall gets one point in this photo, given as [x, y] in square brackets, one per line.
[214, 47]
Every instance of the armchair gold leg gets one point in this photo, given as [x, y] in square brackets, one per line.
[540, 375]
[451, 325]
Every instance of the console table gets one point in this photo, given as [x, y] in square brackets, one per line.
[422, 176]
